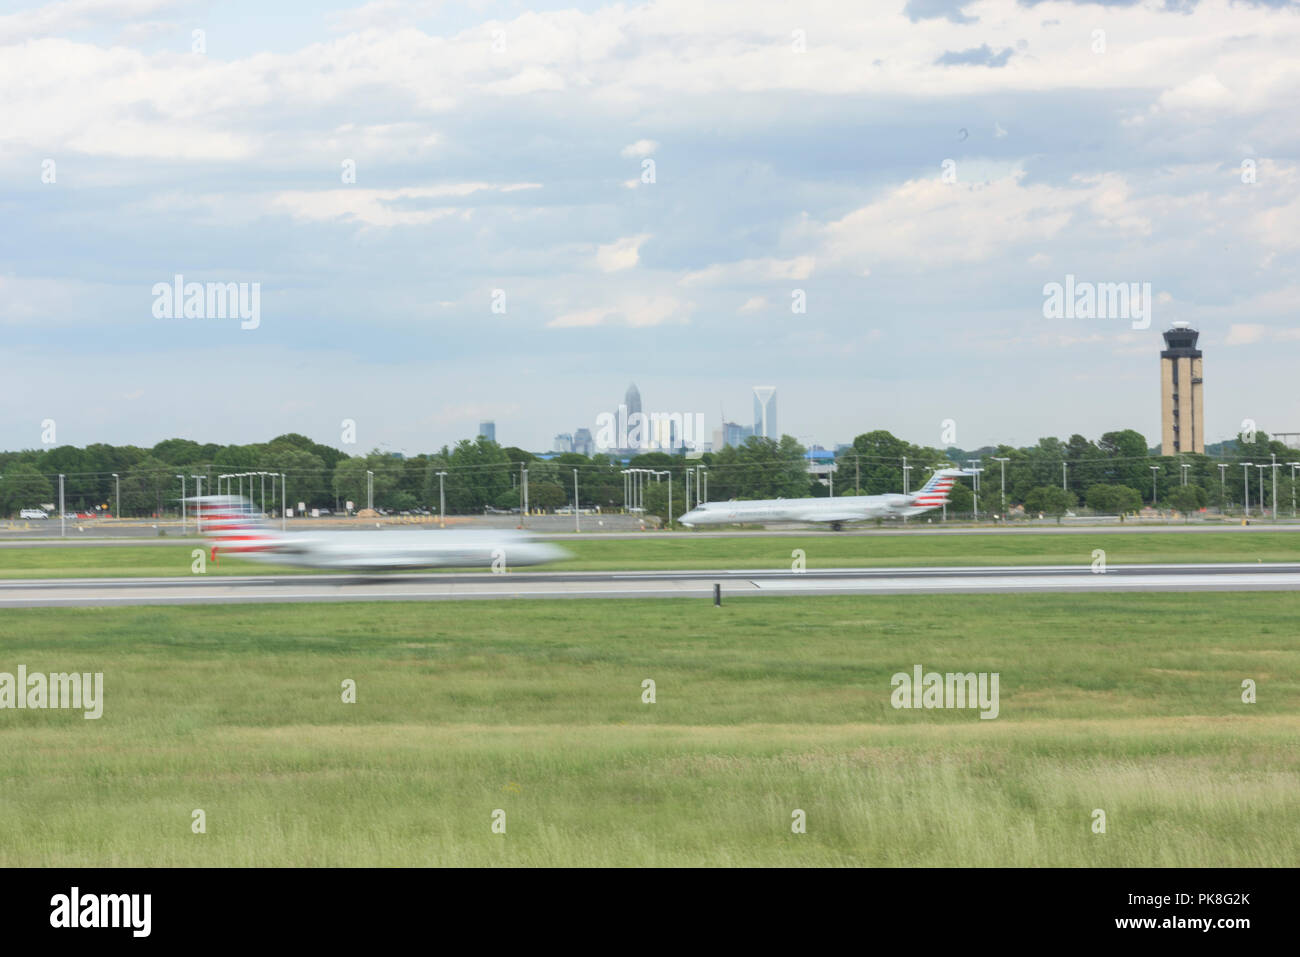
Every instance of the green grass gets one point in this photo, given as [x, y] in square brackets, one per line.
[1129, 703]
[759, 551]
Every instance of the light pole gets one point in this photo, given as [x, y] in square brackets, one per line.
[198, 493]
[182, 478]
[576, 526]
[118, 482]
[284, 495]
[669, 473]
[63, 524]
[976, 483]
[1223, 489]
[1184, 467]
[1293, 468]
[906, 468]
[1273, 456]
[442, 502]
[1003, 462]
[370, 489]
[1154, 471]
[1245, 486]
[1063, 468]
[1261, 468]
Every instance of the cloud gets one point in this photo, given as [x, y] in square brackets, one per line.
[639, 148]
[633, 311]
[976, 56]
[752, 270]
[620, 254]
[384, 207]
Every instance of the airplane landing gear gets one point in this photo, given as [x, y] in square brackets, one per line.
[837, 526]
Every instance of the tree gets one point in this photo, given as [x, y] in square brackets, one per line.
[1113, 499]
[1187, 498]
[23, 486]
[1050, 500]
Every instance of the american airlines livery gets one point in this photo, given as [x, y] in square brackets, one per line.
[234, 527]
[834, 511]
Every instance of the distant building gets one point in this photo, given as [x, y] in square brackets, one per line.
[488, 430]
[730, 435]
[1182, 415]
[819, 462]
[583, 443]
[765, 412]
[563, 442]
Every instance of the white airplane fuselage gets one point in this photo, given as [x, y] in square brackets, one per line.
[395, 550]
[233, 527]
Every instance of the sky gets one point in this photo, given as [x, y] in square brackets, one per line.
[462, 211]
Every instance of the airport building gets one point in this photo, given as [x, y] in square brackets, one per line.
[1182, 415]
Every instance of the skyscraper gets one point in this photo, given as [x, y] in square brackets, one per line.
[488, 430]
[765, 412]
[1182, 417]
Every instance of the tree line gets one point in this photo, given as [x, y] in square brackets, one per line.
[1111, 474]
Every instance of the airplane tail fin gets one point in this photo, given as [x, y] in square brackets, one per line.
[232, 524]
[935, 491]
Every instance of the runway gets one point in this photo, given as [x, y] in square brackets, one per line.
[109, 592]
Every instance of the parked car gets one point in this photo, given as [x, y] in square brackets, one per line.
[32, 513]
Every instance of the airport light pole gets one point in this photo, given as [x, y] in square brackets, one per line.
[1003, 463]
[1245, 486]
[182, 478]
[370, 490]
[284, 495]
[669, 473]
[442, 502]
[1273, 456]
[1155, 469]
[1184, 467]
[63, 524]
[1261, 468]
[1293, 468]
[198, 493]
[906, 468]
[1223, 489]
[576, 526]
[118, 482]
[1064, 465]
[976, 489]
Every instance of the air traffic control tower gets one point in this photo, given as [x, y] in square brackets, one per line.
[1181, 411]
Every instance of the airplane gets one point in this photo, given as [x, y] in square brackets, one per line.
[233, 526]
[834, 511]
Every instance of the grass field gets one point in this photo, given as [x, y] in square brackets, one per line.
[1127, 703]
[731, 553]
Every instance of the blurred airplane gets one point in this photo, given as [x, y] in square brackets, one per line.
[832, 511]
[233, 526]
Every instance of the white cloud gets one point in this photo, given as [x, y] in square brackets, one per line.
[620, 254]
[632, 311]
[639, 148]
[752, 270]
[383, 207]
